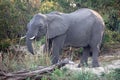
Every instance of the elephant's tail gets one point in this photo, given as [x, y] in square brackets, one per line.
[102, 43]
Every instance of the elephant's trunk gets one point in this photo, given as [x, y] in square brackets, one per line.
[29, 44]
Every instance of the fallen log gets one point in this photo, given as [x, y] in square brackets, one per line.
[21, 75]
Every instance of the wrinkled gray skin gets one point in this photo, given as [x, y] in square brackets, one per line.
[82, 28]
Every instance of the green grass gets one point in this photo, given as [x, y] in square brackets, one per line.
[65, 74]
[84, 75]
[113, 75]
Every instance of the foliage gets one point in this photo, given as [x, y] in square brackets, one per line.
[15, 14]
[113, 75]
[4, 44]
[84, 75]
[15, 60]
[13, 19]
[111, 37]
[48, 6]
[64, 74]
[67, 5]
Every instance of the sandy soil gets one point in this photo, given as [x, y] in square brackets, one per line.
[108, 61]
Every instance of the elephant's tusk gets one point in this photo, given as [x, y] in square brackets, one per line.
[23, 37]
[32, 38]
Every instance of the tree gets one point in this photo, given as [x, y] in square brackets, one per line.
[14, 15]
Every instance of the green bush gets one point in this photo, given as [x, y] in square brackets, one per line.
[111, 37]
[14, 16]
[4, 44]
[48, 6]
[58, 75]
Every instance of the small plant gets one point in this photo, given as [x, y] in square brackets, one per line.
[84, 75]
[44, 78]
[58, 75]
[65, 74]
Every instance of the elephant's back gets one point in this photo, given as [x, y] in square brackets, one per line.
[98, 17]
[80, 15]
[82, 26]
[81, 12]
[85, 12]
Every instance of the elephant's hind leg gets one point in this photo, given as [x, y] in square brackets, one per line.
[85, 55]
[95, 51]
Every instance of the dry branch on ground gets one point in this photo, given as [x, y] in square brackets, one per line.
[21, 75]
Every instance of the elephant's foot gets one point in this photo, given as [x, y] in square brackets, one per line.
[55, 60]
[83, 65]
[79, 65]
[95, 64]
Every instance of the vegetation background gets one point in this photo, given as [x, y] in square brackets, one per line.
[15, 14]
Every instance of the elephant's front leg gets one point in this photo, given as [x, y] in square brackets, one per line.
[57, 45]
[47, 46]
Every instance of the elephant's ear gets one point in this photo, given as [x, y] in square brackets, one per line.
[56, 26]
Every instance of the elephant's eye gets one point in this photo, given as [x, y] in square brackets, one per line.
[41, 26]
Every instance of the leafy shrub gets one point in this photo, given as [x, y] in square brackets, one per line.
[111, 37]
[14, 15]
[48, 6]
[4, 44]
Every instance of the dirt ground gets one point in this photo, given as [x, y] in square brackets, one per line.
[109, 59]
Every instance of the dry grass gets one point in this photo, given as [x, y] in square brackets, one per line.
[14, 60]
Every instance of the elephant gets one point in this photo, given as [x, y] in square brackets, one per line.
[81, 28]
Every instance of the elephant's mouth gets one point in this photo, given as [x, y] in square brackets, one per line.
[32, 37]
